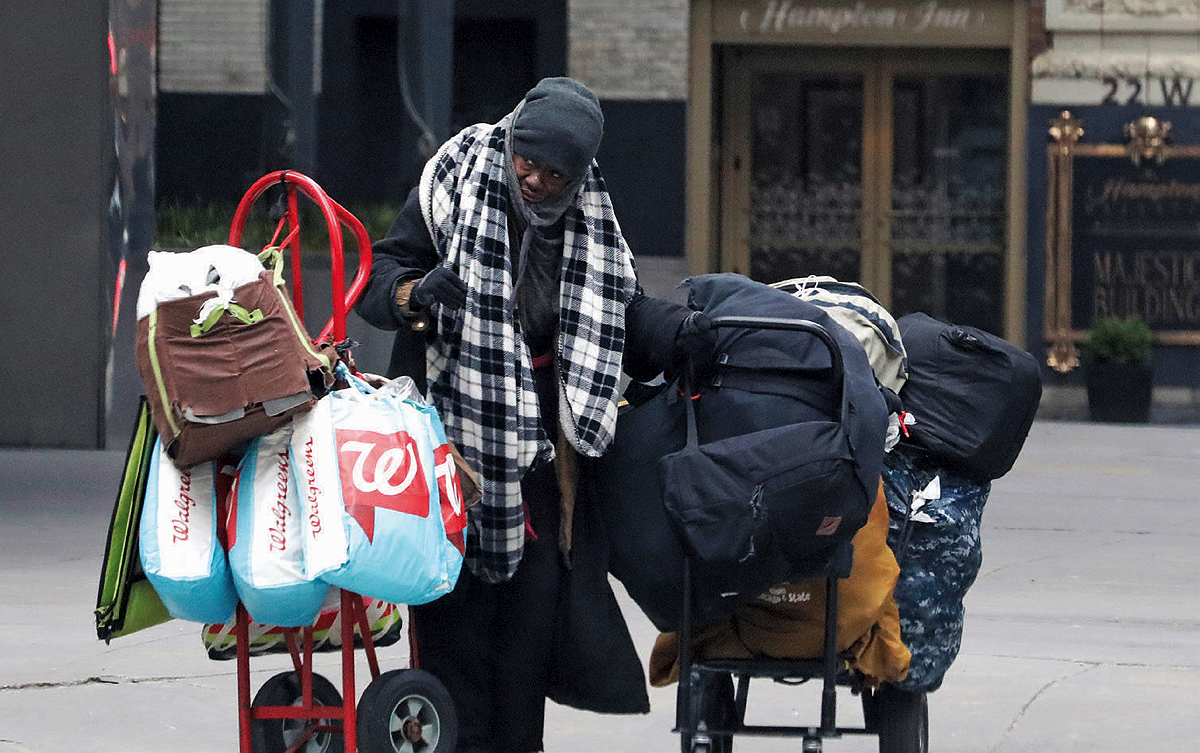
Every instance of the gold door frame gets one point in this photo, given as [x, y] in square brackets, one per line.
[878, 70]
[1061, 334]
[742, 64]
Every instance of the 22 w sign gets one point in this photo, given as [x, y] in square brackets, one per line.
[1171, 92]
[381, 471]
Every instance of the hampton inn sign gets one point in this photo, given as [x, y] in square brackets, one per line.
[776, 19]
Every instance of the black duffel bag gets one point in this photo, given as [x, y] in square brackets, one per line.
[799, 444]
[973, 395]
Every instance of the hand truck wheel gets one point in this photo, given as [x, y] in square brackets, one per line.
[406, 711]
[278, 735]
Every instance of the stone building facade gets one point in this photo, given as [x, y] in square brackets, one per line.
[630, 49]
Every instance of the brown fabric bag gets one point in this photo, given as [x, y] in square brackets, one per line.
[787, 622]
[242, 373]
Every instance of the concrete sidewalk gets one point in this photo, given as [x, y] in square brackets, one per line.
[1082, 631]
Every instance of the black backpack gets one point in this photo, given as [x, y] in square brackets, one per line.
[973, 395]
[784, 468]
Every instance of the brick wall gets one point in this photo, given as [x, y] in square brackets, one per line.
[629, 49]
[216, 46]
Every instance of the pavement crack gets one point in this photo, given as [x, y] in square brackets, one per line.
[105, 680]
[63, 684]
[1121, 537]
[1033, 699]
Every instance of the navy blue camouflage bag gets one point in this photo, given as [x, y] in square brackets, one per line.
[934, 514]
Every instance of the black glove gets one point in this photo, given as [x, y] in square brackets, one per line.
[439, 285]
[696, 340]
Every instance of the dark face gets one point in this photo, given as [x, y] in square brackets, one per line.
[537, 181]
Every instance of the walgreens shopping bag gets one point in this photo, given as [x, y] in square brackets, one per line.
[368, 468]
[181, 551]
[265, 529]
[459, 486]
[454, 501]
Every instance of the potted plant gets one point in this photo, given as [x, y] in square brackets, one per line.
[1118, 371]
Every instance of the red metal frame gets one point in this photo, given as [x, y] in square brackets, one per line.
[353, 614]
[300, 640]
[335, 217]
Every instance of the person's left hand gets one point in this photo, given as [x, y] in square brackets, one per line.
[440, 285]
[696, 340]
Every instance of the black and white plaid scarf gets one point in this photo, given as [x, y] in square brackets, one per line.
[479, 369]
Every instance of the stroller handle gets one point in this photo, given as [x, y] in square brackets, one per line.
[794, 325]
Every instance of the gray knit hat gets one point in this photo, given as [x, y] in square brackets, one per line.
[559, 125]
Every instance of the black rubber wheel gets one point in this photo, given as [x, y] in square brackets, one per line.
[406, 711]
[368, 695]
[713, 708]
[899, 717]
[277, 735]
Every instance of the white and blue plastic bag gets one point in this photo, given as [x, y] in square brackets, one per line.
[181, 551]
[370, 456]
[266, 530]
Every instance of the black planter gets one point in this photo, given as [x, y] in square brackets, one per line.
[1119, 392]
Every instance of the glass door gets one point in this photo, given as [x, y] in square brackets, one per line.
[946, 226]
[885, 168]
[806, 184]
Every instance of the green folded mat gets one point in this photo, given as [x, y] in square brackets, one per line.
[126, 602]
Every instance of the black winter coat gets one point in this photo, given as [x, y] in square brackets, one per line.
[595, 664]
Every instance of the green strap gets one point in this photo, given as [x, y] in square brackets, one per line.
[238, 312]
[273, 255]
[158, 377]
[298, 328]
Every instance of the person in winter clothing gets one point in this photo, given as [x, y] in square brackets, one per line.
[516, 304]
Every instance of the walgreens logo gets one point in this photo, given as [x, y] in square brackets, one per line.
[381, 471]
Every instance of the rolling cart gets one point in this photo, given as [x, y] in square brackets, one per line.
[402, 710]
[710, 710]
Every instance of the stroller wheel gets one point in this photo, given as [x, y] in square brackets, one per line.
[899, 717]
[713, 708]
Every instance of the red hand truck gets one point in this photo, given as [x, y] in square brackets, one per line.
[401, 711]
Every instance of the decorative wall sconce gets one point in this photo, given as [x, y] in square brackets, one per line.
[1147, 137]
[1066, 130]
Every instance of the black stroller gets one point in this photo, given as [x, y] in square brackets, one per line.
[974, 396]
[713, 694]
[710, 710]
